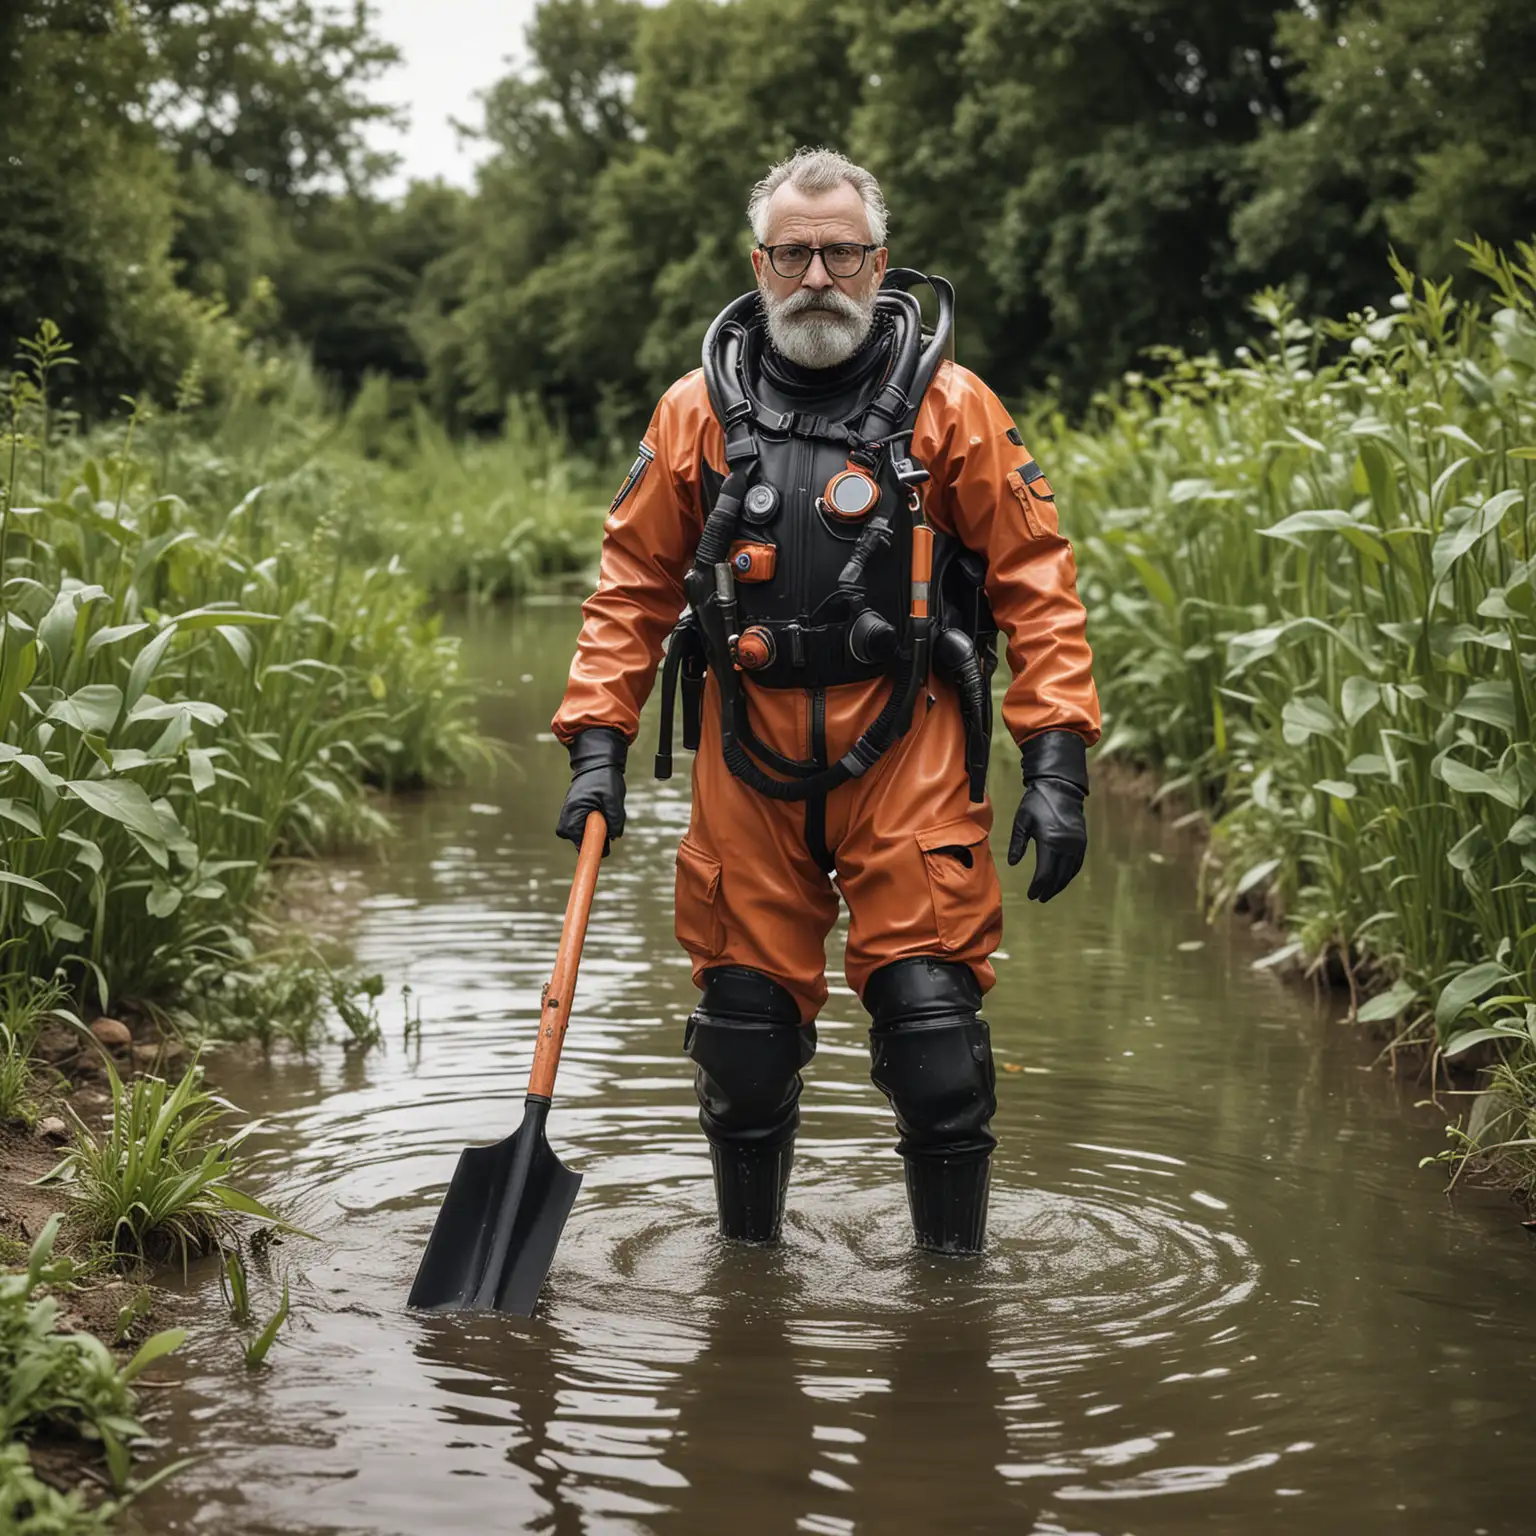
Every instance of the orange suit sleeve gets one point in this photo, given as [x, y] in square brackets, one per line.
[988, 492]
[652, 530]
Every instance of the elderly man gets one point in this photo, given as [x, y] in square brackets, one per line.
[843, 513]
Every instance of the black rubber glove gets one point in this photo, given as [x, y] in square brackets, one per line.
[598, 755]
[1051, 812]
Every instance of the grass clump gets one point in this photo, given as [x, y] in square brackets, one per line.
[1309, 576]
[157, 1182]
[61, 1384]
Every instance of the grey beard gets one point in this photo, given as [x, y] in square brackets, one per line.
[818, 329]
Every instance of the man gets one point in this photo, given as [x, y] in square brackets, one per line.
[791, 491]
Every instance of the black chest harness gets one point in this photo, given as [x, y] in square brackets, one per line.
[817, 567]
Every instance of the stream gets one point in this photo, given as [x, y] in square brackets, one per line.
[1219, 1295]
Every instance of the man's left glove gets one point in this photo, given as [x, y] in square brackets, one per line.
[598, 755]
[1055, 785]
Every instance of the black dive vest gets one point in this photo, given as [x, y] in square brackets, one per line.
[792, 548]
[803, 577]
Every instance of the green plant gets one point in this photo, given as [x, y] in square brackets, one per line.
[66, 1381]
[31, 1507]
[1309, 576]
[256, 1350]
[192, 686]
[158, 1181]
[15, 1080]
[356, 1001]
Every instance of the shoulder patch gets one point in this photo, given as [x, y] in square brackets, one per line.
[643, 460]
[1014, 438]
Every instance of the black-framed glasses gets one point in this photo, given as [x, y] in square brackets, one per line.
[845, 259]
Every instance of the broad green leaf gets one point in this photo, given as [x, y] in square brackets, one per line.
[151, 708]
[120, 800]
[1369, 765]
[1360, 696]
[1493, 703]
[1389, 1004]
[239, 642]
[144, 664]
[201, 769]
[22, 814]
[1470, 1037]
[162, 900]
[1466, 780]
[92, 709]
[1305, 717]
[154, 1349]
[1464, 989]
[212, 618]
[1455, 542]
[31, 886]
[1470, 850]
[56, 630]
[111, 634]
[1340, 789]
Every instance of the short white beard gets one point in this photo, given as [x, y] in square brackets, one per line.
[818, 328]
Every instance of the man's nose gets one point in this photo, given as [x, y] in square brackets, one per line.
[816, 275]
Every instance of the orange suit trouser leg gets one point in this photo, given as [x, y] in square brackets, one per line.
[910, 849]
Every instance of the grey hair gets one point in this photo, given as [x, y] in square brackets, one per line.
[818, 170]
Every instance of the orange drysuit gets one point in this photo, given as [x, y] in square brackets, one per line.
[910, 847]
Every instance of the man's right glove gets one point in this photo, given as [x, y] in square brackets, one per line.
[1055, 767]
[598, 755]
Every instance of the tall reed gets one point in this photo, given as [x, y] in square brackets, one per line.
[1310, 581]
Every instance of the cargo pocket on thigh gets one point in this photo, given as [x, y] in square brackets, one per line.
[700, 928]
[959, 864]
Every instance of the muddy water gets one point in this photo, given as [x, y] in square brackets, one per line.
[1219, 1297]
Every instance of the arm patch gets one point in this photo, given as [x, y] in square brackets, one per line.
[1014, 438]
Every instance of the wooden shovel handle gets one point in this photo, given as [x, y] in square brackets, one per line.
[555, 1007]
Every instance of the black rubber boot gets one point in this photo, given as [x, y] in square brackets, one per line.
[750, 1186]
[948, 1197]
[932, 1058]
[749, 1045]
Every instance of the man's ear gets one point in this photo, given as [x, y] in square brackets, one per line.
[757, 262]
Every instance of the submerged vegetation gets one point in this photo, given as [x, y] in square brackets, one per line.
[1312, 592]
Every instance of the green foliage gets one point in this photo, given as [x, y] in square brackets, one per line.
[31, 1507]
[157, 1183]
[1413, 124]
[190, 685]
[1310, 582]
[62, 1382]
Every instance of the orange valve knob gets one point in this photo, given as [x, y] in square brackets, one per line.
[850, 495]
[755, 649]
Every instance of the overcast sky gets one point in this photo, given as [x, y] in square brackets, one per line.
[452, 49]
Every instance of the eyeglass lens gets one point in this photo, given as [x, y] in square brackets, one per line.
[840, 260]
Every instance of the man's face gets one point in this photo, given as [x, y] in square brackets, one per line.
[818, 319]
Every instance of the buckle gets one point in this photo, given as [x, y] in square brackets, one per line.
[775, 423]
[909, 472]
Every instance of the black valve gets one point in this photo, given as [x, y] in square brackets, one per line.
[871, 639]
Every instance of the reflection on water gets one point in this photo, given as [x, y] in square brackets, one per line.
[1217, 1297]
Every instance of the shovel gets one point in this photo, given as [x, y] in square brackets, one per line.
[502, 1217]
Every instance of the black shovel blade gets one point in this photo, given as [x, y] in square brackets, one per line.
[499, 1225]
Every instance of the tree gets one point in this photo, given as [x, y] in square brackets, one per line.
[275, 92]
[1419, 127]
